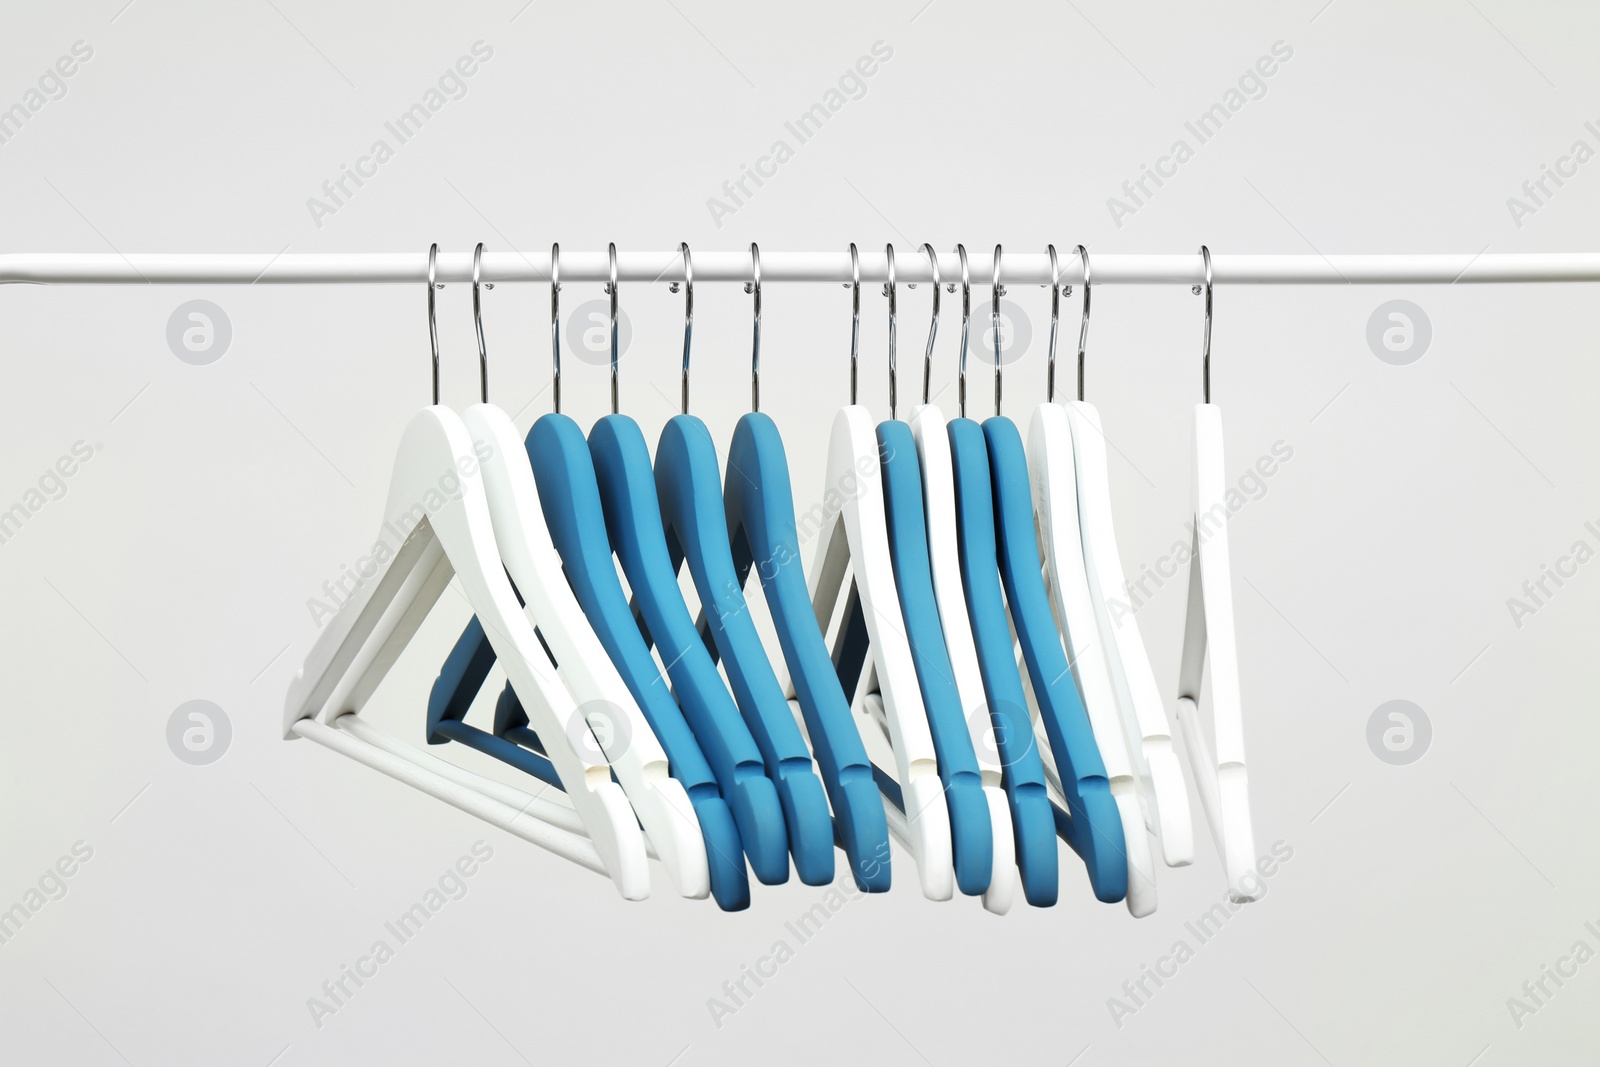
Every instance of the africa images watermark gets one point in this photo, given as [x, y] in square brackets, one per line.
[337, 992]
[1252, 85]
[1137, 992]
[51, 85]
[851, 85]
[737, 992]
[52, 485]
[1252, 485]
[1537, 191]
[1551, 579]
[1537, 992]
[341, 589]
[451, 85]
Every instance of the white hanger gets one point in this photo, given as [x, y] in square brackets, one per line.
[1208, 634]
[1146, 728]
[634, 752]
[1055, 504]
[437, 482]
[939, 510]
[856, 539]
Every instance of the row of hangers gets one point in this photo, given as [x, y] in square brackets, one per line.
[949, 672]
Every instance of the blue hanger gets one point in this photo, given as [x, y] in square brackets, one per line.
[972, 834]
[1032, 820]
[621, 462]
[689, 486]
[760, 517]
[1092, 824]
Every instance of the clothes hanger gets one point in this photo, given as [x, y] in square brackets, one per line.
[1055, 504]
[853, 558]
[437, 484]
[972, 835]
[1163, 794]
[1090, 822]
[719, 748]
[944, 557]
[1208, 637]
[627, 740]
[1032, 820]
[689, 488]
[760, 521]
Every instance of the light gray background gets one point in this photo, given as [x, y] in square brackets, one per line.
[1377, 566]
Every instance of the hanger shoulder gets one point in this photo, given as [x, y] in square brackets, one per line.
[760, 516]
[1054, 483]
[971, 833]
[1011, 728]
[632, 510]
[944, 560]
[1094, 826]
[1209, 641]
[629, 743]
[689, 487]
[858, 540]
[437, 489]
[1143, 713]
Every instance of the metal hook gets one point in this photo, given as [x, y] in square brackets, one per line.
[1055, 320]
[688, 316]
[889, 291]
[966, 329]
[477, 321]
[1083, 328]
[855, 316]
[1205, 359]
[555, 325]
[433, 321]
[933, 325]
[754, 287]
[994, 318]
[611, 288]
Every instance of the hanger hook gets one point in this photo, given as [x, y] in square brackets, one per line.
[433, 321]
[855, 316]
[889, 289]
[611, 288]
[933, 324]
[754, 287]
[477, 321]
[688, 315]
[1205, 357]
[1055, 320]
[555, 326]
[994, 316]
[1083, 327]
[966, 330]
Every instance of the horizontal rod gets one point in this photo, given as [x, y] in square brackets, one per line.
[911, 265]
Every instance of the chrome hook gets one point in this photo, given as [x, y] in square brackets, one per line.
[1083, 328]
[433, 321]
[855, 316]
[1205, 359]
[754, 287]
[611, 288]
[889, 291]
[966, 330]
[994, 318]
[933, 325]
[688, 316]
[477, 321]
[555, 326]
[1055, 320]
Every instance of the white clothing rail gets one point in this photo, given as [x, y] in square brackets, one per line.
[911, 265]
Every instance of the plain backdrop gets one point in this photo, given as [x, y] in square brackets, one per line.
[177, 562]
